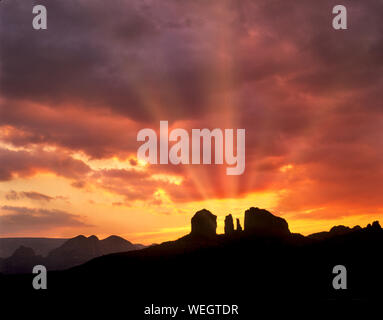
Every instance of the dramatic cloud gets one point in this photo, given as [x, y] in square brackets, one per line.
[26, 164]
[126, 58]
[16, 219]
[309, 97]
[98, 135]
[13, 195]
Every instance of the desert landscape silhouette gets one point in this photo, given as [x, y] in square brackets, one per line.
[262, 261]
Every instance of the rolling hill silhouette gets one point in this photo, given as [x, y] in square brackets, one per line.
[41, 246]
[70, 253]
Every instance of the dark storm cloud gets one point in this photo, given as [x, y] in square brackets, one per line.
[98, 55]
[115, 56]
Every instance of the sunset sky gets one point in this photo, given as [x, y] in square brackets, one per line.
[73, 97]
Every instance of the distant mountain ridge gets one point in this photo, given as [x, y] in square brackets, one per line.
[81, 249]
[41, 246]
[69, 253]
[341, 230]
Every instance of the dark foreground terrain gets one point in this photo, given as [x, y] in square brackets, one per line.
[263, 265]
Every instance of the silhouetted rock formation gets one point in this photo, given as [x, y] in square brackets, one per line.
[262, 222]
[340, 230]
[239, 227]
[334, 232]
[376, 225]
[204, 223]
[229, 225]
